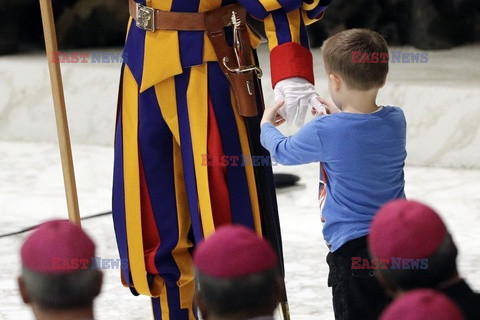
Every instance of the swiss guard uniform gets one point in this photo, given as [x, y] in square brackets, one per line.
[189, 97]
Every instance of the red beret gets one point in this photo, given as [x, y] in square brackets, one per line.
[234, 251]
[405, 229]
[422, 304]
[57, 246]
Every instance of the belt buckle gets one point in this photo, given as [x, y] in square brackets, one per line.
[145, 17]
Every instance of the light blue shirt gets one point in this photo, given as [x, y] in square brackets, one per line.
[363, 156]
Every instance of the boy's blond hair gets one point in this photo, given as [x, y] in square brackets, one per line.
[358, 56]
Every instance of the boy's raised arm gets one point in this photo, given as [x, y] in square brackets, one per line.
[303, 147]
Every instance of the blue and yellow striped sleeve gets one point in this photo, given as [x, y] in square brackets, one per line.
[260, 9]
[285, 22]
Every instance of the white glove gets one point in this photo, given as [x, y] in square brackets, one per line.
[298, 94]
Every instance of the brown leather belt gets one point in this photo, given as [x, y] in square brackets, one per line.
[151, 19]
[235, 62]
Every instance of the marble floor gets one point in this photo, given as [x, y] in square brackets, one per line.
[31, 191]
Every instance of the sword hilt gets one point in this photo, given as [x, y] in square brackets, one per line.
[254, 68]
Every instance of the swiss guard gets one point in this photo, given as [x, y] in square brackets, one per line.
[190, 91]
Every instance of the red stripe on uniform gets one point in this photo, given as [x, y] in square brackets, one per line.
[217, 179]
[151, 238]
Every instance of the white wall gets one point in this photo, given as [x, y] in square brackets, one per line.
[441, 100]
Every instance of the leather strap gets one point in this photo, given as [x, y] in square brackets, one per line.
[242, 84]
[166, 20]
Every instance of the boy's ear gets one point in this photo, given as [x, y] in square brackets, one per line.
[335, 81]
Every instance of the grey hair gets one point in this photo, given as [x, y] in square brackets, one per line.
[62, 291]
[442, 265]
[231, 296]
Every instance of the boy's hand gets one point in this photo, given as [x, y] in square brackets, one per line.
[270, 115]
[319, 109]
[329, 105]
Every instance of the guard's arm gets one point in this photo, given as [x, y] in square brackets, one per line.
[291, 61]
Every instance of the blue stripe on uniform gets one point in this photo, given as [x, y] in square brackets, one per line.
[118, 194]
[255, 8]
[282, 26]
[191, 42]
[133, 51]
[156, 147]
[290, 5]
[237, 183]
[155, 144]
[181, 84]
[303, 34]
[157, 309]
[174, 304]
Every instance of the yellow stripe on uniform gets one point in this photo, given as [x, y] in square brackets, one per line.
[207, 5]
[270, 5]
[132, 182]
[181, 254]
[197, 99]
[310, 6]
[294, 19]
[255, 40]
[161, 45]
[271, 32]
[309, 21]
[164, 5]
[162, 299]
[164, 303]
[252, 186]
[166, 97]
[128, 26]
[161, 58]
[208, 51]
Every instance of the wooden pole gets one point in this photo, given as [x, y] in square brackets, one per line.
[284, 310]
[60, 110]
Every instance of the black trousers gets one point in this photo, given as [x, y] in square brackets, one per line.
[357, 295]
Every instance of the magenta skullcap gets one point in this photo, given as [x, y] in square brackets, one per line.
[234, 251]
[422, 304]
[57, 246]
[405, 229]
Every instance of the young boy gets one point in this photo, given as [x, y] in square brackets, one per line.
[362, 149]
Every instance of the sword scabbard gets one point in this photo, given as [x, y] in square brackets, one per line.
[242, 75]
